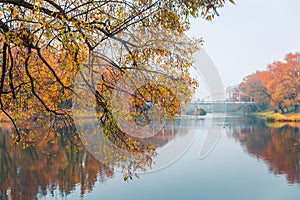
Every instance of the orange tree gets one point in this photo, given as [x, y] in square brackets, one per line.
[255, 85]
[284, 85]
[278, 86]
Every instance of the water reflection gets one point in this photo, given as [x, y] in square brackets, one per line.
[60, 163]
[57, 163]
[278, 145]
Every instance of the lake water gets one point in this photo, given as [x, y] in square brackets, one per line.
[214, 157]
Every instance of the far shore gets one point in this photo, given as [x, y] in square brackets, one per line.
[278, 117]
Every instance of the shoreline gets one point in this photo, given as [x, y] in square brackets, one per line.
[278, 117]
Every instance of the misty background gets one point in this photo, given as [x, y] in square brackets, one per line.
[248, 36]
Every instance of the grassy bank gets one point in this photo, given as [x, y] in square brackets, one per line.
[278, 117]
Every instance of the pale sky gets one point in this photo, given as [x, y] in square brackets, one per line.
[249, 35]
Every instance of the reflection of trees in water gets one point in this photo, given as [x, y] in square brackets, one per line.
[278, 147]
[58, 162]
[54, 161]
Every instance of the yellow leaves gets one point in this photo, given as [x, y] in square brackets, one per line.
[210, 17]
[25, 145]
[127, 176]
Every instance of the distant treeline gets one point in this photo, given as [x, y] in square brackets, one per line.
[277, 87]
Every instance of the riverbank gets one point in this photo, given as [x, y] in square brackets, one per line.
[278, 117]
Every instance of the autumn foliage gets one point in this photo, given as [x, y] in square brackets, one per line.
[278, 86]
[44, 45]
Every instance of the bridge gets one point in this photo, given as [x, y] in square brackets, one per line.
[223, 102]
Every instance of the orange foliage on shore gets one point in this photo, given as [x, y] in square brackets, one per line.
[278, 86]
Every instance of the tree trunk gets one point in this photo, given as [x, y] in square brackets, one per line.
[281, 109]
[296, 108]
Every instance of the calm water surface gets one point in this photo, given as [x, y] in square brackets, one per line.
[251, 160]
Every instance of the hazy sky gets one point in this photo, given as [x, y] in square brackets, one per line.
[249, 35]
